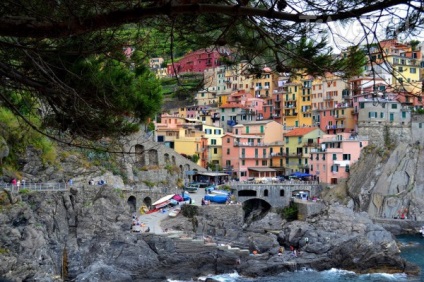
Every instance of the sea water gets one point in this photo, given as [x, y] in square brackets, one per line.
[412, 247]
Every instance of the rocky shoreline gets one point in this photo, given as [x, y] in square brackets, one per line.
[84, 235]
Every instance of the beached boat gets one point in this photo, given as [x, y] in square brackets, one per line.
[216, 198]
[174, 212]
[191, 188]
[162, 202]
[220, 192]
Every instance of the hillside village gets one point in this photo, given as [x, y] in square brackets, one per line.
[272, 124]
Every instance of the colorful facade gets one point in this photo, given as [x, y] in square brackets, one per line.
[246, 152]
[297, 144]
[330, 159]
[195, 62]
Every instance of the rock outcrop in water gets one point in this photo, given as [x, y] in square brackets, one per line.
[84, 235]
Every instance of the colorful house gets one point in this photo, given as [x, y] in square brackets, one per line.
[197, 61]
[214, 146]
[297, 144]
[330, 159]
[246, 151]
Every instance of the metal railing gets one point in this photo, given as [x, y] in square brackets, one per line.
[39, 187]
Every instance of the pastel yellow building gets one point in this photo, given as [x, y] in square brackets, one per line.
[297, 145]
[214, 140]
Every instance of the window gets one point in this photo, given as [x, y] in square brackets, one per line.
[346, 157]
[243, 162]
[312, 168]
[262, 129]
[335, 168]
[420, 125]
[372, 114]
[228, 163]
[247, 129]
[228, 151]
[287, 140]
[334, 157]
[381, 115]
[347, 168]
[413, 70]
[257, 162]
[243, 173]
[394, 106]
[361, 105]
[215, 151]
[403, 114]
[263, 162]
[228, 140]
[222, 118]
[213, 141]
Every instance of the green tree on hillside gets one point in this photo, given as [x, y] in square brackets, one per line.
[66, 57]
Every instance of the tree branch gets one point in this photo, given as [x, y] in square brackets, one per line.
[30, 27]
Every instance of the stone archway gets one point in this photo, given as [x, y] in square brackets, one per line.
[186, 167]
[132, 202]
[166, 158]
[148, 202]
[140, 156]
[153, 157]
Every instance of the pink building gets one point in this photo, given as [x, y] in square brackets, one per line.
[331, 160]
[246, 152]
[196, 62]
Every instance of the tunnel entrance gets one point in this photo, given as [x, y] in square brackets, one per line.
[255, 209]
[132, 202]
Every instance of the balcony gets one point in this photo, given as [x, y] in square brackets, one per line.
[276, 155]
[339, 117]
[245, 156]
[311, 145]
[249, 144]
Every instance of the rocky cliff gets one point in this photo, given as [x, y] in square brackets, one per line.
[387, 182]
[84, 235]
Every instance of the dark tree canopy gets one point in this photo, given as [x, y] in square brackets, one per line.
[66, 57]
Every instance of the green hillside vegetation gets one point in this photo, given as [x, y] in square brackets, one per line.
[18, 135]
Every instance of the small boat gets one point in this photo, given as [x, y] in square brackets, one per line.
[216, 198]
[174, 212]
[220, 192]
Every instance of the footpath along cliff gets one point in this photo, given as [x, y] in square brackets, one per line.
[84, 235]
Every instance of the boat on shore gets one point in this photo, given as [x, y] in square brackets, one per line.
[174, 212]
[216, 198]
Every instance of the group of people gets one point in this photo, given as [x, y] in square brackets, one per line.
[17, 183]
[100, 182]
[138, 226]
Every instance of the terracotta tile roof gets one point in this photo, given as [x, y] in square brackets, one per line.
[299, 131]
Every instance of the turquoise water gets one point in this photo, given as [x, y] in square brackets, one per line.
[412, 250]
